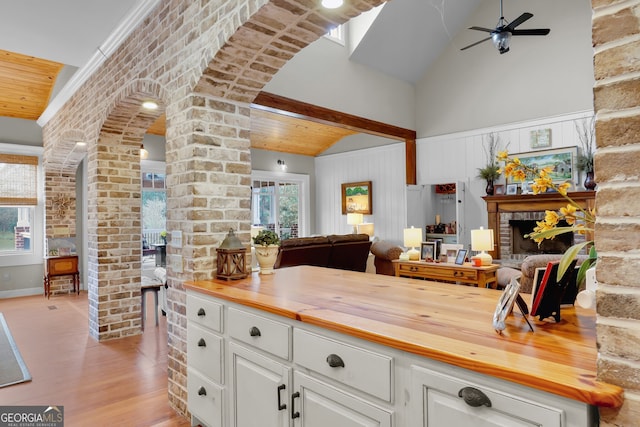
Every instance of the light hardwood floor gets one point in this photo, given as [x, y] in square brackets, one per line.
[119, 382]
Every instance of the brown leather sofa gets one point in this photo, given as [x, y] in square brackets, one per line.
[341, 251]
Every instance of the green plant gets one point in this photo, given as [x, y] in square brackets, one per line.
[266, 238]
[491, 171]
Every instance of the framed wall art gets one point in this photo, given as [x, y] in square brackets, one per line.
[356, 198]
[561, 161]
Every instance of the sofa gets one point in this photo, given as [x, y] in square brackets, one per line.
[341, 251]
[384, 252]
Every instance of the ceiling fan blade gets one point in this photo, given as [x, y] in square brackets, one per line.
[531, 32]
[519, 20]
[478, 42]
[482, 29]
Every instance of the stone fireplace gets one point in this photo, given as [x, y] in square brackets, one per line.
[513, 216]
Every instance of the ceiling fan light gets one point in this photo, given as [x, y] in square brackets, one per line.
[501, 41]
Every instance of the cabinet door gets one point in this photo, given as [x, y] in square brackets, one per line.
[260, 389]
[438, 403]
[317, 404]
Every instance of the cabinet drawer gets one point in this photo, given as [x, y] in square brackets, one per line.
[204, 312]
[455, 274]
[204, 352]
[265, 334]
[205, 399]
[362, 369]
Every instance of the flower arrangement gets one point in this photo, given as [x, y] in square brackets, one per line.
[578, 219]
[266, 238]
[491, 171]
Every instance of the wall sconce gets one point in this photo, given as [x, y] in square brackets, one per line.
[482, 240]
[282, 165]
[413, 239]
[355, 219]
[143, 153]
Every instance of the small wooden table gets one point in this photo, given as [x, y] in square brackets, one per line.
[484, 277]
[61, 266]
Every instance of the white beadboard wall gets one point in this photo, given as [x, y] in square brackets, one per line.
[385, 168]
[457, 157]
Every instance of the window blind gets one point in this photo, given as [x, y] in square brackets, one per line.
[18, 180]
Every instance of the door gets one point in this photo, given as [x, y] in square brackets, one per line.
[278, 202]
[317, 404]
[259, 389]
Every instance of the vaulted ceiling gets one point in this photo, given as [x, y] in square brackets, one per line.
[38, 58]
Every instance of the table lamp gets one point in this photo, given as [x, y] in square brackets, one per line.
[482, 240]
[355, 219]
[413, 239]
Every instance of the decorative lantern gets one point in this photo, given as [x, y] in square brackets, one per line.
[232, 258]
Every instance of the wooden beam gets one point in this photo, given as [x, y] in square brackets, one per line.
[302, 110]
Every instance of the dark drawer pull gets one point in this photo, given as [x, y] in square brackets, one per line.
[294, 414]
[281, 406]
[201, 312]
[202, 391]
[202, 343]
[474, 397]
[254, 332]
[335, 361]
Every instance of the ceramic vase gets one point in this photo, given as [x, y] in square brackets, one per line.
[589, 182]
[266, 256]
[489, 189]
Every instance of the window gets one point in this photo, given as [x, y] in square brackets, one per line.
[279, 203]
[18, 200]
[154, 204]
[336, 34]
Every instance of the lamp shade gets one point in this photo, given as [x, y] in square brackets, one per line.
[413, 239]
[366, 228]
[354, 218]
[482, 240]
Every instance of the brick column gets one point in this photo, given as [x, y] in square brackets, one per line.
[616, 38]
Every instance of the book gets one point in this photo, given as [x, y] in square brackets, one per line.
[549, 294]
[539, 291]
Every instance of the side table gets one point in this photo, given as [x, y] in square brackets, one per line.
[66, 265]
[485, 276]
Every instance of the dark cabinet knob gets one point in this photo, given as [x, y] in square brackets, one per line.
[202, 391]
[474, 397]
[335, 361]
[201, 312]
[254, 332]
[202, 343]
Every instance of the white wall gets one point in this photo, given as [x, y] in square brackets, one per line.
[321, 74]
[384, 167]
[541, 76]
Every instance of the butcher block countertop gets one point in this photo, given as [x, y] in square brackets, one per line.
[444, 322]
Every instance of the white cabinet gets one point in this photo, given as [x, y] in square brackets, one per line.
[441, 400]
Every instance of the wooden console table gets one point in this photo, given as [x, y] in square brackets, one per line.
[483, 277]
[61, 266]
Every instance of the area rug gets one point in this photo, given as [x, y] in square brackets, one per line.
[12, 367]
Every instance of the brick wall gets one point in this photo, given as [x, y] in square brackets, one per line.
[616, 39]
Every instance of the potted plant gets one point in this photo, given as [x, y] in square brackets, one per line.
[586, 134]
[491, 172]
[266, 244]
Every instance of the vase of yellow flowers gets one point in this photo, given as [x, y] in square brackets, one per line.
[578, 219]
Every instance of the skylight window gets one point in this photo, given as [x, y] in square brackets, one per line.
[336, 34]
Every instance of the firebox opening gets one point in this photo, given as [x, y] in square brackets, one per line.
[523, 245]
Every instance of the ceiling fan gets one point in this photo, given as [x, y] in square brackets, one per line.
[501, 35]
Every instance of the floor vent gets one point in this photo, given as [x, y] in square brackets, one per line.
[52, 307]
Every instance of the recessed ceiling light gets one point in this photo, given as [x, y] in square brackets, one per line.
[332, 4]
[150, 105]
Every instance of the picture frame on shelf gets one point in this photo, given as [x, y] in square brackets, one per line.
[356, 198]
[512, 189]
[498, 189]
[428, 251]
[460, 256]
[561, 160]
[450, 250]
[438, 241]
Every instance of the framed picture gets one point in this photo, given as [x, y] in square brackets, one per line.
[428, 252]
[512, 189]
[438, 241]
[561, 161]
[356, 198]
[540, 138]
[498, 189]
[505, 304]
[460, 256]
[450, 250]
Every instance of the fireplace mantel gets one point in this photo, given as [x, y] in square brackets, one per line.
[529, 203]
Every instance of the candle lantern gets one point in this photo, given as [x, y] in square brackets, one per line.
[232, 258]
